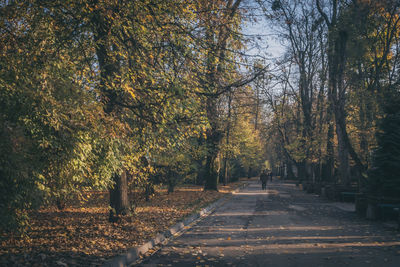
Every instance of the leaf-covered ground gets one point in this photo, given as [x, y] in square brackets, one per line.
[81, 234]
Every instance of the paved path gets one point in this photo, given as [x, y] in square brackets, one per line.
[280, 227]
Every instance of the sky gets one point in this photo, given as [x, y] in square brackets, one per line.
[264, 35]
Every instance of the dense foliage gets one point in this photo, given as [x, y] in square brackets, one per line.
[99, 95]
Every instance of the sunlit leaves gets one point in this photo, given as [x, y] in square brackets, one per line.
[90, 88]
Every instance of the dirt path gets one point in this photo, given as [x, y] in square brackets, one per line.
[280, 227]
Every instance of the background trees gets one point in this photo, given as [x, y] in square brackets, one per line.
[99, 94]
[326, 99]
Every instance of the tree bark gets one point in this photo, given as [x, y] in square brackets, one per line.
[119, 200]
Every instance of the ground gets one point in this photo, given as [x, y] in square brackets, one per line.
[282, 226]
[81, 235]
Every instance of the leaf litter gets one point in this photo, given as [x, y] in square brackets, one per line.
[80, 235]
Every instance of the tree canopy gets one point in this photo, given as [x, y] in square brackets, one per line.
[111, 95]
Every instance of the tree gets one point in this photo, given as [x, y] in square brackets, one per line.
[53, 138]
[386, 163]
[221, 41]
[242, 147]
[218, 21]
[298, 24]
[142, 55]
[350, 47]
[106, 77]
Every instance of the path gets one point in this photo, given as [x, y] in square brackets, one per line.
[280, 227]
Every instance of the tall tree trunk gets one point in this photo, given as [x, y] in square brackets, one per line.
[216, 61]
[320, 124]
[330, 153]
[212, 141]
[225, 170]
[337, 46]
[109, 70]
[364, 128]
[340, 101]
[228, 130]
[343, 151]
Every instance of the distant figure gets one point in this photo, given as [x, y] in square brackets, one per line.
[264, 178]
[270, 174]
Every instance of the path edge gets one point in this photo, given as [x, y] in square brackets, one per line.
[133, 254]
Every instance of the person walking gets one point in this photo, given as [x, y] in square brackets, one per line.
[264, 178]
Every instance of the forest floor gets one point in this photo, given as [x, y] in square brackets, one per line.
[81, 235]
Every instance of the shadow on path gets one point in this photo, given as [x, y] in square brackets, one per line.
[280, 227]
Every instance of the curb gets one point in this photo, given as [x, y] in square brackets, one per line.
[133, 254]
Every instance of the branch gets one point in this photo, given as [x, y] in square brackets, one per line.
[236, 84]
[323, 14]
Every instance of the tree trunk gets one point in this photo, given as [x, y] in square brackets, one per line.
[228, 130]
[218, 42]
[119, 201]
[225, 170]
[337, 40]
[343, 156]
[212, 142]
[290, 174]
[109, 69]
[171, 181]
[340, 115]
[200, 172]
[337, 48]
[211, 176]
[148, 191]
[249, 172]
